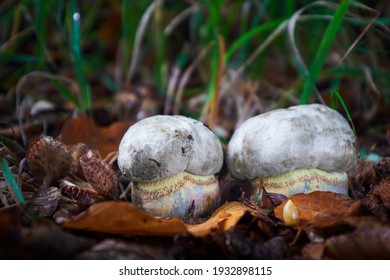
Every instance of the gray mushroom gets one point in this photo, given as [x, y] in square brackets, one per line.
[172, 161]
[300, 149]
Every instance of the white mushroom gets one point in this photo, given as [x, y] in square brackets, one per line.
[295, 150]
[172, 161]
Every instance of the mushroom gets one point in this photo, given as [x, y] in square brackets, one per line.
[172, 162]
[300, 149]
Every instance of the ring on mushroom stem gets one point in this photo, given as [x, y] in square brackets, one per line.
[300, 149]
[171, 161]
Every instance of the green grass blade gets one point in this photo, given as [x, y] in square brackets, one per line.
[338, 96]
[10, 179]
[161, 54]
[246, 37]
[66, 93]
[127, 31]
[75, 34]
[316, 65]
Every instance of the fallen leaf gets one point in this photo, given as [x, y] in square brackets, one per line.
[313, 251]
[112, 249]
[124, 218]
[276, 248]
[10, 233]
[224, 218]
[369, 240]
[84, 130]
[45, 202]
[45, 240]
[317, 209]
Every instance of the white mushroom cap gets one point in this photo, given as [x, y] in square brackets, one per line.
[161, 146]
[303, 136]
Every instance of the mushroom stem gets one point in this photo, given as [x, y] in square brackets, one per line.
[302, 181]
[175, 195]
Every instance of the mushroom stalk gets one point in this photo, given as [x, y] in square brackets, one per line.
[177, 195]
[302, 181]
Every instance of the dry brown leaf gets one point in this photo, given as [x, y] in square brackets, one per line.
[318, 209]
[369, 240]
[224, 218]
[124, 218]
[313, 251]
[84, 130]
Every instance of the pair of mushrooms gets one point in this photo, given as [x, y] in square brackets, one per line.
[172, 160]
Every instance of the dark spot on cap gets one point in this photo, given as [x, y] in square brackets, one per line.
[155, 161]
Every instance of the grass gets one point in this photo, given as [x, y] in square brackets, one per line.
[323, 50]
[11, 182]
[124, 43]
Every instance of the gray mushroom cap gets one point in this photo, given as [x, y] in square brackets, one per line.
[162, 146]
[303, 136]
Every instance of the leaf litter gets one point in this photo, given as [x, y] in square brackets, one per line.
[85, 202]
[88, 201]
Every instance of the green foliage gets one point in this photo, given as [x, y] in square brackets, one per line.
[75, 47]
[323, 50]
[10, 179]
[109, 43]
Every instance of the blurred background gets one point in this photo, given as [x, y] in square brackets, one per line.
[218, 61]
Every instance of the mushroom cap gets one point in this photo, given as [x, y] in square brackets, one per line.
[162, 146]
[303, 136]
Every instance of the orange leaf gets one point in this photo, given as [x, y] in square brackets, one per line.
[84, 130]
[124, 218]
[224, 218]
[316, 209]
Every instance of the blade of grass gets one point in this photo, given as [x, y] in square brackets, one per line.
[247, 36]
[358, 38]
[160, 45]
[179, 18]
[318, 62]
[185, 77]
[85, 91]
[138, 40]
[65, 91]
[215, 87]
[40, 18]
[237, 74]
[126, 32]
[338, 96]
[11, 182]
